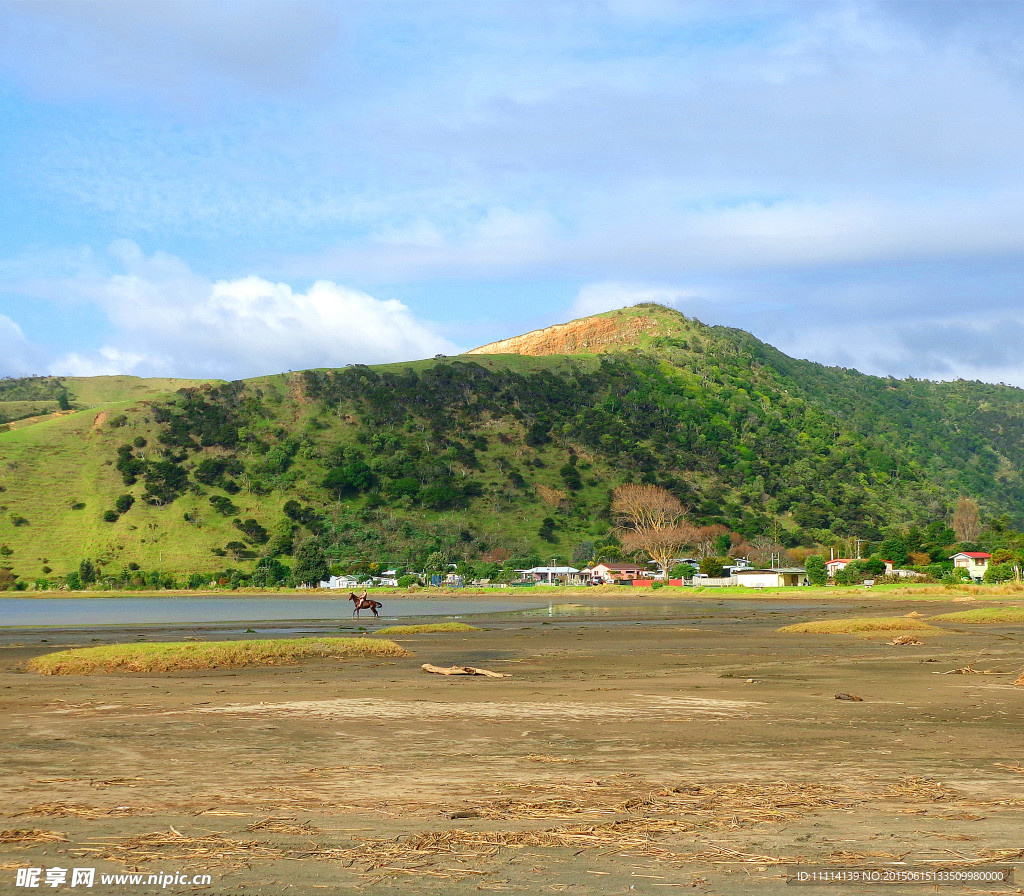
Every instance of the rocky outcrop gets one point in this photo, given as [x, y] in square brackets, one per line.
[590, 335]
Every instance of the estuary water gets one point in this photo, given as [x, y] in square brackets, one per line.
[61, 612]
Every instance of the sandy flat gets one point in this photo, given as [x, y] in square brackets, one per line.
[698, 751]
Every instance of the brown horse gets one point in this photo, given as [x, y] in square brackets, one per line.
[364, 603]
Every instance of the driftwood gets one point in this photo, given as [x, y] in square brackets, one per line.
[462, 670]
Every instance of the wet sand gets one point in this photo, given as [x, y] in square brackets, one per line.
[694, 749]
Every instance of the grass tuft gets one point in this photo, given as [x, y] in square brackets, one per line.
[177, 656]
[859, 626]
[426, 628]
[984, 615]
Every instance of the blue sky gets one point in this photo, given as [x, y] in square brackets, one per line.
[231, 189]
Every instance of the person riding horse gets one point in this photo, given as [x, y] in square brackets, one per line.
[364, 603]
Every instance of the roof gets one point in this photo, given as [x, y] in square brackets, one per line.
[790, 569]
[554, 570]
[838, 560]
[621, 565]
[977, 555]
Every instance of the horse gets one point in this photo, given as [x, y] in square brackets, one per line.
[364, 603]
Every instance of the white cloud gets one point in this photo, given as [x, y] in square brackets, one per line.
[18, 356]
[171, 321]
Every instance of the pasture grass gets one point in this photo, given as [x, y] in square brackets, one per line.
[863, 626]
[195, 655]
[984, 616]
[427, 628]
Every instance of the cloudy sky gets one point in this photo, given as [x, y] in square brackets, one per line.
[237, 188]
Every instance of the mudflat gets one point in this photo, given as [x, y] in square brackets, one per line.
[635, 748]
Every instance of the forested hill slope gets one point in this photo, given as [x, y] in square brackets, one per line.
[506, 454]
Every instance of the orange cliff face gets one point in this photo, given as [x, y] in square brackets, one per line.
[590, 335]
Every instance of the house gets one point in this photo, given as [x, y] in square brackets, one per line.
[737, 564]
[785, 577]
[975, 562]
[552, 575]
[340, 582]
[833, 566]
[619, 572]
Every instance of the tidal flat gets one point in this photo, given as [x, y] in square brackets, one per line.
[635, 748]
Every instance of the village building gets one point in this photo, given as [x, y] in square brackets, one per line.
[784, 577]
[604, 573]
[833, 566]
[553, 575]
[975, 562]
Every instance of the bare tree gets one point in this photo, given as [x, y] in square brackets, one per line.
[704, 540]
[651, 521]
[967, 520]
[763, 548]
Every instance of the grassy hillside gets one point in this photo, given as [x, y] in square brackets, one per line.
[497, 455]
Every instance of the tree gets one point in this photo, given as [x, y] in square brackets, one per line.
[712, 566]
[966, 520]
[547, 529]
[711, 541]
[650, 520]
[817, 574]
[123, 503]
[583, 554]
[310, 563]
[1000, 572]
[87, 572]
[894, 549]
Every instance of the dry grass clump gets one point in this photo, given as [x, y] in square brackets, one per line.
[282, 826]
[172, 845]
[906, 641]
[74, 810]
[181, 656]
[24, 837]
[690, 806]
[860, 626]
[1020, 680]
[638, 821]
[984, 616]
[426, 628]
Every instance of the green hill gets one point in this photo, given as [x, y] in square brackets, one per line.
[495, 454]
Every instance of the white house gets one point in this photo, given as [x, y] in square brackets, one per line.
[833, 566]
[338, 582]
[553, 575]
[785, 577]
[975, 562]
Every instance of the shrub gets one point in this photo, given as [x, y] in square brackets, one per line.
[816, 571]
[110, 516]
[123, 503]
[1000, 572]
[223, 505]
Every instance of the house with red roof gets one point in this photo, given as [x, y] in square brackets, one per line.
[618, 572]
[975, 562]
[833, 566]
